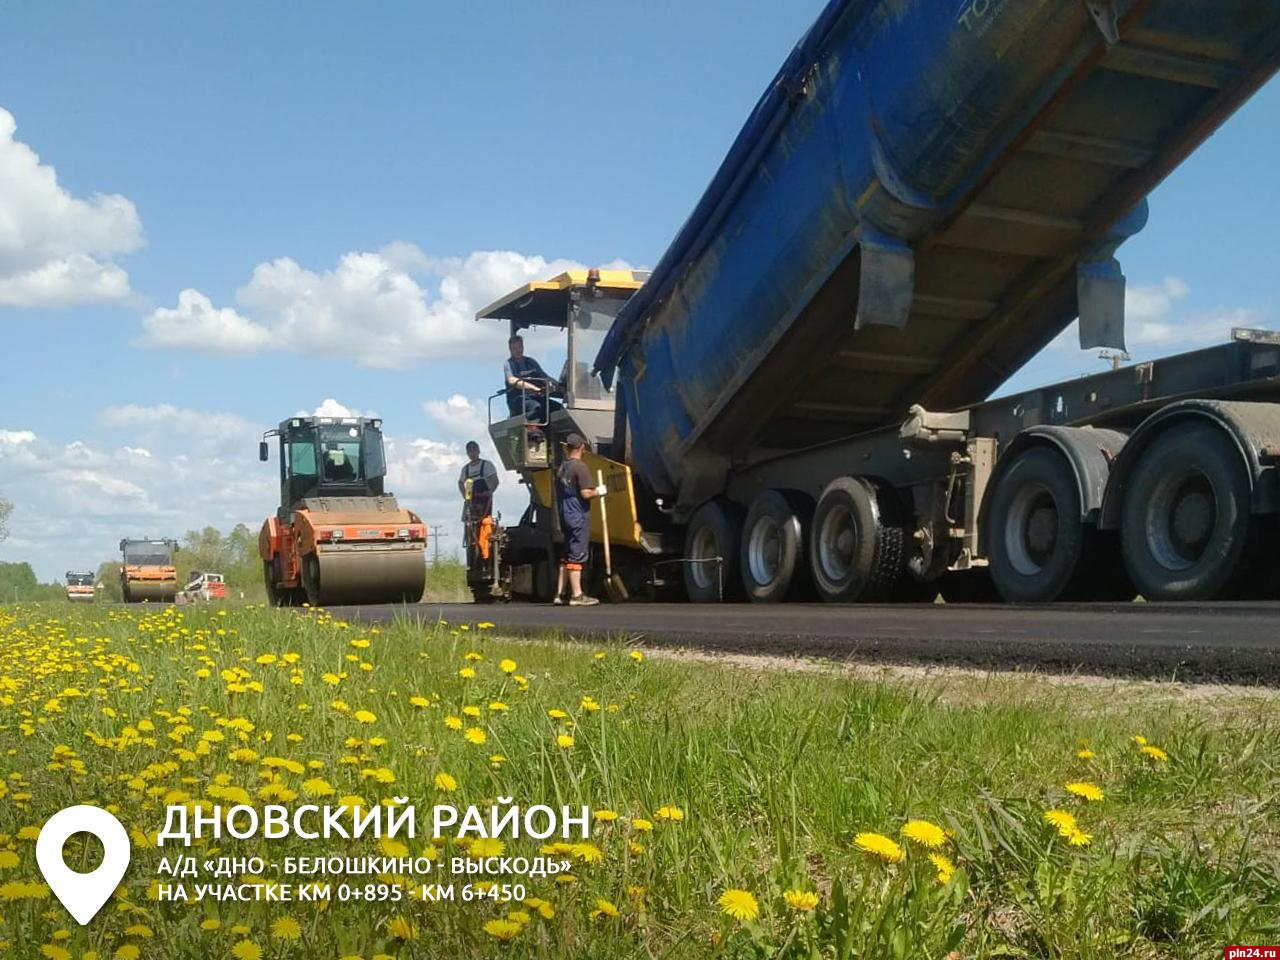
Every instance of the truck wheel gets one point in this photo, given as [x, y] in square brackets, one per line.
[857, 551]
[1036, 539]
[774, 556]
[1185, 519]
[711, 552]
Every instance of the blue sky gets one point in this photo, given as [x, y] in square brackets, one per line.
[244, 133]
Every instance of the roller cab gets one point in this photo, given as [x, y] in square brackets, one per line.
[147, 573]
[338, 537]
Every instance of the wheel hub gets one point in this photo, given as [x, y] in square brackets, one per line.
[1181, 517]
[837, 544]
[764, 551]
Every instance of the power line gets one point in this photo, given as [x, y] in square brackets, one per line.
[436, 536]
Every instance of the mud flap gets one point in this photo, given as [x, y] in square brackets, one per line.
[886, 285]
[1100, 284]
[1100, 297]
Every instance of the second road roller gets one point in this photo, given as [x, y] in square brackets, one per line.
[338, 537]
[147, 574]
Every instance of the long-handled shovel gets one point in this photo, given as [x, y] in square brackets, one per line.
[613, 584]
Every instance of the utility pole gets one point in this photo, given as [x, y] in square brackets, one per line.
[435, 536]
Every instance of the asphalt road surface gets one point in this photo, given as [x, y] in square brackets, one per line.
[1237, 643]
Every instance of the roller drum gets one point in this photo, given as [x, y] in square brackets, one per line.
[355, 575]
[152, 591]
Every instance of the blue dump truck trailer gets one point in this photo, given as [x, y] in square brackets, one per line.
[794, 404]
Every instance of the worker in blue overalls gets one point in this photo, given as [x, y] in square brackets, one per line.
[575, 491]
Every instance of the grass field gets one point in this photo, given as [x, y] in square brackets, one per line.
[740, 810]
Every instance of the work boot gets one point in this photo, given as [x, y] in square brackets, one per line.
[582, 600]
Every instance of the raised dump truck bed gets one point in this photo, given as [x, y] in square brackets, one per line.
[924, 197]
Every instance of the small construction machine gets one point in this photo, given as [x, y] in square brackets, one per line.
[520, 560]
[147, 573]
[338, 537]
[203, 587]
[80, 587]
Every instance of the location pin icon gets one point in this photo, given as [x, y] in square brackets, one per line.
[83, 894]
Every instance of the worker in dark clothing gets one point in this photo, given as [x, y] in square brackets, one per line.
[527, 384]
[576, 490]
[477, 483]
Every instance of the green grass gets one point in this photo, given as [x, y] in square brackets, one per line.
[447, 583]
[776, 771]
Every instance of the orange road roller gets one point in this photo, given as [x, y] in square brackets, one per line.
[338, 537]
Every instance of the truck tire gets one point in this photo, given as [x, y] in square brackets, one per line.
[712, 544]
[775, 560]
[1185, 521]
[1036, 538]
[857, 550]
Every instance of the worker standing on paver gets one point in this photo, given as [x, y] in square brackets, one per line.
[575, 494]
[477, 483]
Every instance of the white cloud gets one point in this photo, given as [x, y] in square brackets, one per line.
[390, 308]
[15, 437]
[165, 426]
[196, 324]
[459, 418]
[56, 249]
[330, 407]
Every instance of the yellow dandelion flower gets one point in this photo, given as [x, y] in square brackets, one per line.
[801, 901]
[641, 824]
[504, 930]
[1139, 739]
[564, 741]
[507, 666]
[486, 847]
[476, 735]
[637, 656]
[1079, 838]
[1088, 791]
[402, 929]
[1155, 753]
[365, 716]
[286, 928]
[606, 816]
[317, 787]
[1085, 754]
[467, 673]
[1061, 820]
[670, 813]
[454, 723]
[604, 909]
[924, 833]
[244, 950]
[739, 904]
[445, 783]
[210, 923]
[946, 869]
[878, 845]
